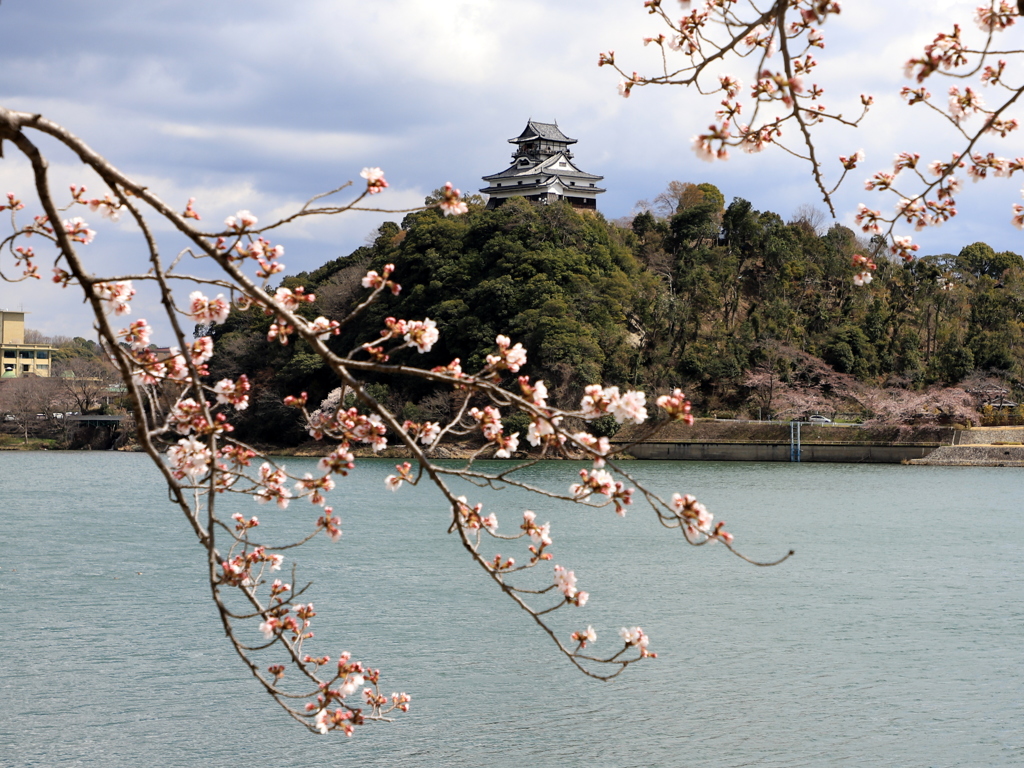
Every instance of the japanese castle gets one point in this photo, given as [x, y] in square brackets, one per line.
[542, 170]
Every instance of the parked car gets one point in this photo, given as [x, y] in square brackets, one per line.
[816, 419]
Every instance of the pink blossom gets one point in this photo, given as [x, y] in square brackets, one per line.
[205, 310]
[429, 432]
[539, 534]
[315, 487]
[323, 327]
[630, 408]
[115, 296]
[585, 636]
[235, 393]
[189, 457]
[512, 359]
[375, 181]
[451, 201]
[241, 221]
[634, 636]
[1018, 216]
[507, 445]
[565, 581]
[331, 524]
[676, 406]
[339, 461]
[422, 334]
[137, 334]
[849, 163]
[695, 514]
[201, 350]
[78, 230]
[272, 481]
[269, 626]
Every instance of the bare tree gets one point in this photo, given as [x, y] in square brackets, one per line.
[87, 383]
[28, 402]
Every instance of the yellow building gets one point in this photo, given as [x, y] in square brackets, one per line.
[17, 357]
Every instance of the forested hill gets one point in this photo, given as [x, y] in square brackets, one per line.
[746, 312]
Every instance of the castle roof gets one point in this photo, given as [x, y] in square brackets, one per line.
[545, 131]
[556, 165]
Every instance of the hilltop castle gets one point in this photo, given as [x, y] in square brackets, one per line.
[542, 170]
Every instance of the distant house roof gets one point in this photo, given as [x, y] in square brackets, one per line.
[546, 131]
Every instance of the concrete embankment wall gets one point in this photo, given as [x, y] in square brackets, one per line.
[713, 440]
[975, 456]
[981, 447]
[853, 453]
[990, 435]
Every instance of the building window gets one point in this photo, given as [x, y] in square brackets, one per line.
[25, 354]
[42, 355]
[24, 369]
[10, 353]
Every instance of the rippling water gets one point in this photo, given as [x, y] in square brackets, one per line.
[895, 636]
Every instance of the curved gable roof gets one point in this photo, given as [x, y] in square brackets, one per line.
[546, 131]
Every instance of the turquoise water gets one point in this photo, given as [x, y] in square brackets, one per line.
[895, 636]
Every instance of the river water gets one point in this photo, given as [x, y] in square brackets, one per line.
[894, 637]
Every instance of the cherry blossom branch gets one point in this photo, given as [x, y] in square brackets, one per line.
[184, 423]
[727, 32]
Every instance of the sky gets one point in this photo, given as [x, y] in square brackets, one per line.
[259, 105]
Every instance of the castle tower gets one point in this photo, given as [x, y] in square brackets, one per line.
[542, 170]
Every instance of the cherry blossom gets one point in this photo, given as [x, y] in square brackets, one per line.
[422, 334]
[138, 334]
[452, 203]
[205, 310]
[78, 230]
[189, 458]
[241, 221]
[115, 296]
[585, 636]
[375, 181]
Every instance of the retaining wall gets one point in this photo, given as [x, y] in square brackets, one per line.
[853, 453]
